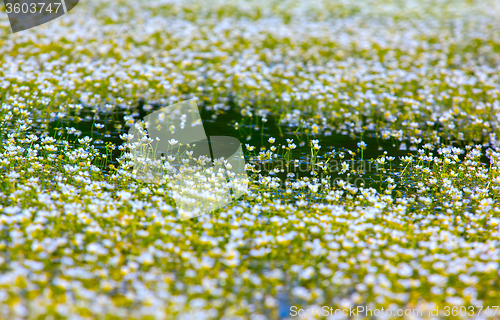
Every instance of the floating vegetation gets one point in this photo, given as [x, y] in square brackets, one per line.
[369, 132]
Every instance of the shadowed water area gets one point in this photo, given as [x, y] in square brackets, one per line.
[248, 130]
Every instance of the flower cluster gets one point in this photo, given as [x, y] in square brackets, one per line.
[404, 213]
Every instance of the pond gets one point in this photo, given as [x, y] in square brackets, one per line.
[105, 125]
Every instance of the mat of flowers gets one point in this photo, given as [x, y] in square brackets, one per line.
[378, 186]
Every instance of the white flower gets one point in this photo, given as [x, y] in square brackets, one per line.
[124, 195]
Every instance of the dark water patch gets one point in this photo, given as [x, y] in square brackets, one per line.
[105, 125]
